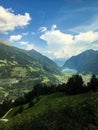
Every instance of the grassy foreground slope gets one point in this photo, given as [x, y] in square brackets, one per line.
[56, 112]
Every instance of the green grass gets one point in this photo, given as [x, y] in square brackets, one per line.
[1, 88]
[54, 111]
[55, 101]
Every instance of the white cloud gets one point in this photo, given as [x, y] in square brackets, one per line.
[15, 37]
[9, 21]
[26, 45]
[56, 36]
[60, 45]
[42, 29]
[30, 47]
[23, 42]
[54, 27]
[87, 37]
[95, 46]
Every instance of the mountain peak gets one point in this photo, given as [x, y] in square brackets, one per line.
[89, 51]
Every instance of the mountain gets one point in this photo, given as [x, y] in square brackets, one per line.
[16, 57]
[23, 69]
[85, 62]
[48, 64]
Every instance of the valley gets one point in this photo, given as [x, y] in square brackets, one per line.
[33, 88]
[20, 70]
[49, 65]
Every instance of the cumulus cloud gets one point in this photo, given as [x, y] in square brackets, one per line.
[60, 45]
[15, 38]
[9, 21]
[56, 36]
[87, 37]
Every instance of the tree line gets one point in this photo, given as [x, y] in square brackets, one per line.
[74, 85]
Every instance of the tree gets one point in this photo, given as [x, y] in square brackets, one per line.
[75, 85]
[20, 110]
[30, 104]
[93, 83]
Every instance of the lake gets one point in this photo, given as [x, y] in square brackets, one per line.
[69, 70]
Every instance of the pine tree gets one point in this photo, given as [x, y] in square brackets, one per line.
[75, 84]
[93, 83]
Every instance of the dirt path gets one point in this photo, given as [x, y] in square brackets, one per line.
[4, 117]
[5, 120]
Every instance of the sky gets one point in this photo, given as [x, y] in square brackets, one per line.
[55, 28]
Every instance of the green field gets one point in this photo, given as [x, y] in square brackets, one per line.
[76, 110]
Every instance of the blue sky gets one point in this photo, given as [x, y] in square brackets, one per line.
[56, 28]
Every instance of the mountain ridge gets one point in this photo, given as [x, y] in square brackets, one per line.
[85, 62]
[11, 52]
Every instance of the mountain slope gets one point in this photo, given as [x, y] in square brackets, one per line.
[56, 111]
[48, 64]
[86, 62]
[24, 69]
[25, 58]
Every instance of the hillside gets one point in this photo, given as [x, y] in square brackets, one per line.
[22, 69]
[86, 62]
[48, 64]
[23, 58]
[56, 111]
